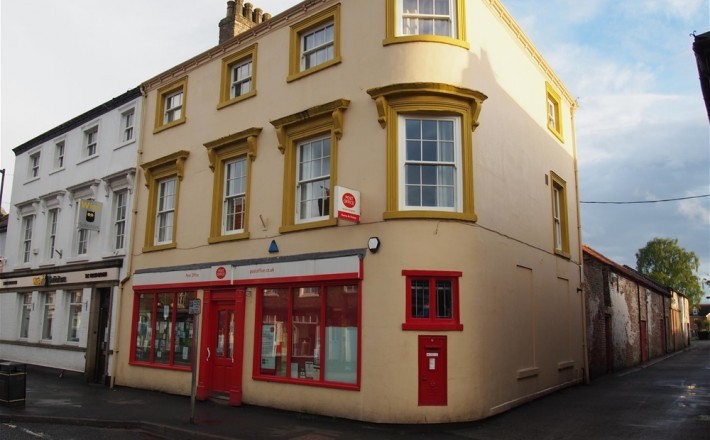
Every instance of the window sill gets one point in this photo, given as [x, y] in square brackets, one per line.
[161, 366]
[56, 171]
[235, 100]
[313, 383]
[318, 68]
[433, 327]
[162, 127]
[564, 254]
[309, 225]
[34, 179]
[524, 373]
[463, 216]
[161, 247]
[88, 158]
[78, 259]
[124, 144]
[426, 38]
[226, 238]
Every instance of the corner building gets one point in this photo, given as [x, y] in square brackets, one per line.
[376, 204]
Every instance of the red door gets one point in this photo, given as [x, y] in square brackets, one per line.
[432, 370]
[222, 347]
[222, 344]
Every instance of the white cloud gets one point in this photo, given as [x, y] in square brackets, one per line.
[696, 210]
[684, 9]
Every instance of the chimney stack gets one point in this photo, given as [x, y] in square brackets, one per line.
[240, 17]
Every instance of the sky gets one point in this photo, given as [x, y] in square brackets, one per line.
[642, 130]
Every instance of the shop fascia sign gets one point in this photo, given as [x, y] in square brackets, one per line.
[347, 204]
[77, 277]
[213, 275]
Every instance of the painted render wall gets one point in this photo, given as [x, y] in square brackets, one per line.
[520, 302]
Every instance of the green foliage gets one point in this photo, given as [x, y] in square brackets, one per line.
[671, 265]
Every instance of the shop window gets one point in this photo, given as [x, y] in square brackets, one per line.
[25, 309]
[429, 149]
[171, 105]
[74, 314]
[441, 21]
[238, 77]
[560, 224]
[230, 159]
[554, 112]
[47, 315]
[163, 177]
[163, 329]
[309, 334]
[315, 43]
[432, 300]
[309, 142]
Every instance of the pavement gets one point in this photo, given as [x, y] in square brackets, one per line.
[668, 397]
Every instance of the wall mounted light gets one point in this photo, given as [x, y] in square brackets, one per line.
[373, 244]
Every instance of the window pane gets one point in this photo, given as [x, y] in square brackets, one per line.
[25, 319]
[144, 327]
[182, 353]
[74, 316]
[341, 336]
[163, 328]
[444, 299]
[429, 151]
[274, 332]
[48, 316]
[419, 292]
[305, 336]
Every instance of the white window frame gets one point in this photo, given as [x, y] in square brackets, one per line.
[48, 309]
[82, 242]
[59, 151]
[305, 189]
[237, 82]
[241, 192]
[165, 211]
[91, 141]
[26, 250]
[128, 119]
[326, 47]
[120, 211]
[35, 161]
[172, 110]
[52, 221]
[74, 309]
[25, 313]
[456, 163]
[415, 18]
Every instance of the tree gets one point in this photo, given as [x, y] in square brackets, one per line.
[671, 265]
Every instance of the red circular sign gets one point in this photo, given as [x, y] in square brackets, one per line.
[221, 272]
[348, 200]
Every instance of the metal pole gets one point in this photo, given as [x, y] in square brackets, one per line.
[2, 185]
[194, 370]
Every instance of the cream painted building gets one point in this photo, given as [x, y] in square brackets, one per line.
[375, 203]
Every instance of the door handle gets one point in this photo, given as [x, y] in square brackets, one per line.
[209, 353]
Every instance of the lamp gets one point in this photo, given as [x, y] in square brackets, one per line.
[373, 244]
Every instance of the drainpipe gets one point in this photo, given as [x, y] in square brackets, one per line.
[583, 299]
[129, 263]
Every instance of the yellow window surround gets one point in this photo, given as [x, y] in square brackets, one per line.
[435, 99]
[154, 171]
[321, 120]
[247, 54]
[162, 94]
[219, 152]
[560, 186]
[393, 17]
[331, 14]
[553, 111]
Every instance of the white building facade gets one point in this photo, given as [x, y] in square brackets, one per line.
[68, 240]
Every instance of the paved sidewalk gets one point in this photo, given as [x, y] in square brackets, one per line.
[667, 398]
